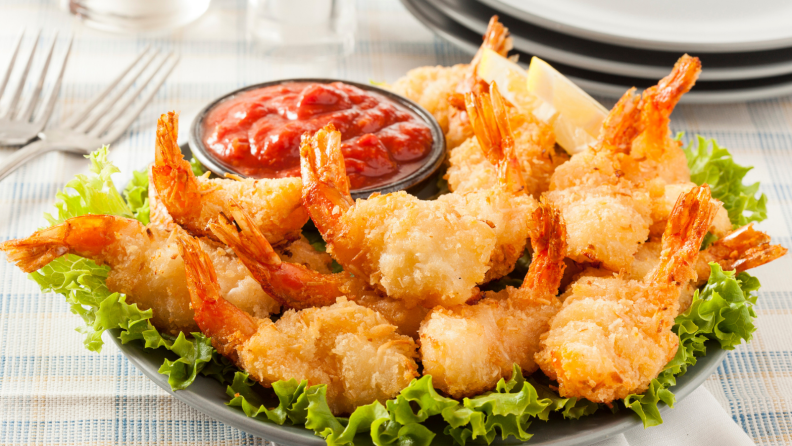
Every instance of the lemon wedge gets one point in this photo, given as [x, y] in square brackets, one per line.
[575, 116]
[578, 117]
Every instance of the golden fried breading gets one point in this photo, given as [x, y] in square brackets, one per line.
[605, 224]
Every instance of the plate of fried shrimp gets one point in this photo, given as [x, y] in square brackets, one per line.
[544, 296]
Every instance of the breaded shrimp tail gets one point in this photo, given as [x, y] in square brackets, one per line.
[89, 236]
[487, 112]
[325, 183]
[548, 240]
[290, 284]
[228, 326]
[172, 175]
[686, 228]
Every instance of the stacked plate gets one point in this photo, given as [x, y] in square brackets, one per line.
[608, 46]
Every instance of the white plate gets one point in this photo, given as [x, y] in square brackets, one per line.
[607, 58]
[601, 84]
[681, 25]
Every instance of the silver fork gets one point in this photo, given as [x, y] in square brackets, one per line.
[17, 126]
[92, 126]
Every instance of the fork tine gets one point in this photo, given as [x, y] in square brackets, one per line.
[100, 111]
[21, 84]
[122, 126]
[50, 104]
[7, 74]
[83, 112]
[27, 112]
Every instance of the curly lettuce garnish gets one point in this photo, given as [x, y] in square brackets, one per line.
[717, 168]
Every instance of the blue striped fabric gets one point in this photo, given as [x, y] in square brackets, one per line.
[53, 391]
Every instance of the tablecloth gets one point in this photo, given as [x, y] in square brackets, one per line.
[53, 391]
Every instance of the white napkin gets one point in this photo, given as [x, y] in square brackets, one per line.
[698, 419]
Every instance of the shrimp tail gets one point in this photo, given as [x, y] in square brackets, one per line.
[228, 326]
[38, 250]
[622, 124]
[490, 122]
[92, 236]
[172, 175]
[743, 249]
[292, 285]
[548, 240]
[687, 225]
[325, 183]
[496, 38]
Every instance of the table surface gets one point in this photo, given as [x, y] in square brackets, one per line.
[53, 391]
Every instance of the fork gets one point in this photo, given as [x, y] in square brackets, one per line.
[92, 126]
[17, 127]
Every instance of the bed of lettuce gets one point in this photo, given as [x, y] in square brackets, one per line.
[721, 311]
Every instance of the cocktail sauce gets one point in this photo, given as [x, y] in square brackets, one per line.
[258, 131]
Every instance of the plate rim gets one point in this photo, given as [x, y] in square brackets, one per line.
[635, 42]
[461, 12]
[290, 435]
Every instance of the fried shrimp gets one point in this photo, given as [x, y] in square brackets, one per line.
[612, 336]
[413, 250]
[743, 249]
[637, 167]
[505, 204]
[144, 264]
[193, 201]
[472, 166]
[351, 349]
[435, 88]
[299, 287]
[468, 348]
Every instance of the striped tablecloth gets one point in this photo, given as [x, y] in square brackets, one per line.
[53, 391]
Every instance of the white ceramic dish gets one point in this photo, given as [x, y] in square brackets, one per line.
[607, 58]
[608, 85]
[668, 25]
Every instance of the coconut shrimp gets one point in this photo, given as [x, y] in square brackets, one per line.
[612, 335]
[433, 252]
[505, 203]
[435, 88]
[144, 264]
[193, 202]
[351, 349]
[299, 287]
[468, 348]
[741, 250]
[470, 167]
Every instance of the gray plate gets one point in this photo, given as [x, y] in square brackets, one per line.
[208, 396]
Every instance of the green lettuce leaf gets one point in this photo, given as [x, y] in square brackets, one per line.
[721, 311]
[197, 168]
[717, 168]
[136, 195]
[90, 194]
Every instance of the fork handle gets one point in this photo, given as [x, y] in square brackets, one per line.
[24, 155]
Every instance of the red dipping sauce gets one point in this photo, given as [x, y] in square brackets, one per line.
[258, 131]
